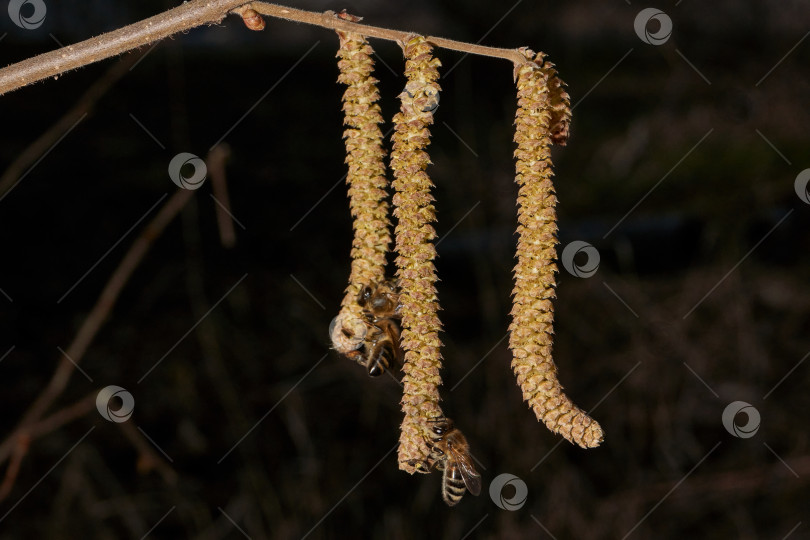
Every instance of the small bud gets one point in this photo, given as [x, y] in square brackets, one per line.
[252, 19]
[346, 16]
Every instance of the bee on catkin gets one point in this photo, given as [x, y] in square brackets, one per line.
[353, 332]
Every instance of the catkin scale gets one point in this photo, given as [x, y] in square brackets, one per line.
[542, 118]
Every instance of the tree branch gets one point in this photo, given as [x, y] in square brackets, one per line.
[196, 13]
[329, 20]
[184, 17]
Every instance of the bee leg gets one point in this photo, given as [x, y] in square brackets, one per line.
[374, 368]
[357, 356]
[420, 465]
[380, 358]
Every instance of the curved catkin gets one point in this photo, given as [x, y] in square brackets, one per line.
[367, 184]
[531, 329]
[417, 276]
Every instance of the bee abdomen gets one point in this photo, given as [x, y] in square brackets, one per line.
[453, 487]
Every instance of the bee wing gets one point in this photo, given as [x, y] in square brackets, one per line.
[471, 477]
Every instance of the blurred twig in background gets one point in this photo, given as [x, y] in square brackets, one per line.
[215, 162]
[88, 330]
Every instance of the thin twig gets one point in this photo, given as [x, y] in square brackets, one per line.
[196, 13]
[215, 161]
[61, 417]
[328, 20]
[95, 319]
[20, 449]
[49, 424]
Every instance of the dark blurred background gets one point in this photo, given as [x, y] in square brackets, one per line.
[680, 170]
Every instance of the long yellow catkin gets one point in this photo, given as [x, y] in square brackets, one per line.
[367, 183]
[417, 276]
[531, 329]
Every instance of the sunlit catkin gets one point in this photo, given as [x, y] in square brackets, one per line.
[367, 185]
[414, 211]
[531, 329]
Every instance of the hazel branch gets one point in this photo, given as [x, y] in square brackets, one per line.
[184, 17]
[329, 20]
[196, 13]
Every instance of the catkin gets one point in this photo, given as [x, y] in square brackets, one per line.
[531, 329]
[414, 235]
[367, 185]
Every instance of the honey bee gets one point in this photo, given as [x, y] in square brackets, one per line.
[381, 309]
[450, 453]
[376, 344]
